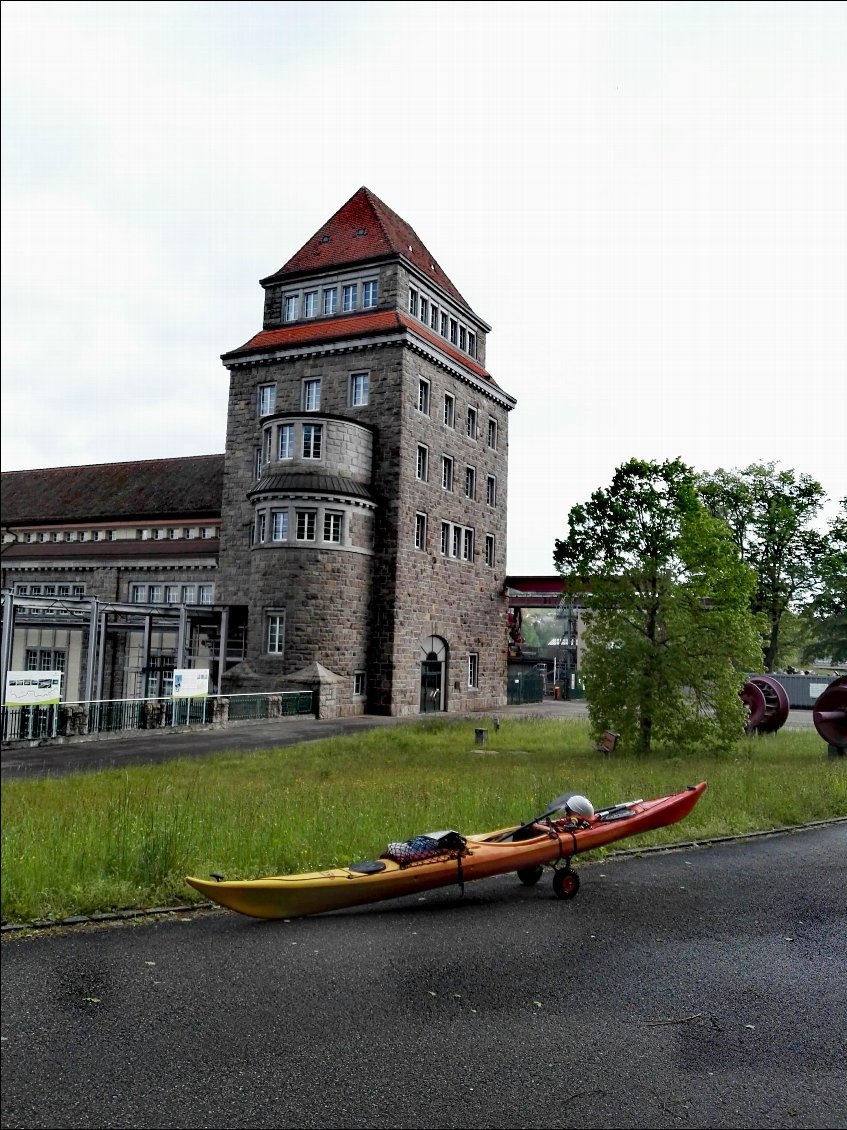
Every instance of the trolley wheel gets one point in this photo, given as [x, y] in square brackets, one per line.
[565, 883]
[529, 876]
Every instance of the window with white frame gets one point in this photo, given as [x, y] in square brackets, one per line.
[491, 491]
[171, 594]
[433, 317]
[423, 396]
[359, 684]
[470, 483]
[189, 594]
[205, 594]
[267, 399]
[473, 669]
[492, 434]
[310, 304]
[137, 594]
[467, 544]
[154, 594]
[489, 550]
[261, 523]
[424, 310]
[445, 539]
[332, 526]
[312, 440]
[449, 410]
[306, 523]
[286, 441]
[369, 294]
[454, 332]
[443, 324]
[457, 541]
[331, 300]
[312, 394]
[423, 463]
[463, 339]
[257, 462]
[279, 525]
[446, 472]
[292, 302]
[420, 531]
[350, 296]
[359, 388]
[276, 632]
[413, 302]
[471, 344]
[267, 438]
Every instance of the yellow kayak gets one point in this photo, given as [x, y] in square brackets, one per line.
[453, 859]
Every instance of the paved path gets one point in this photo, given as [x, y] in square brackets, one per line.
[705, 987]
[151, 747]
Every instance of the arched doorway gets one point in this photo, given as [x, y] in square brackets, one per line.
[433, 674]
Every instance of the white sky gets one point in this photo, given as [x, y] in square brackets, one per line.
[648, 203]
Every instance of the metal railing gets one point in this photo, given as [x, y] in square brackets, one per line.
[114, 716]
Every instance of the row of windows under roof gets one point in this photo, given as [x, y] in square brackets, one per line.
[121, 533]
[309, 302]
[442, 322]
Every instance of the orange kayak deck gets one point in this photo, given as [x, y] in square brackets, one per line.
[484, 855]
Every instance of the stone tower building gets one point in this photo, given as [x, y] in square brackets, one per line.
[363, 517]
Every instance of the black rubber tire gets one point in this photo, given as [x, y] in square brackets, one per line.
[530, 875]
[565, 884]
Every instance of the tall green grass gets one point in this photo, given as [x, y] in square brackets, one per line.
[119, 839]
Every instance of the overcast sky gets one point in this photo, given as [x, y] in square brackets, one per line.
[647, 202]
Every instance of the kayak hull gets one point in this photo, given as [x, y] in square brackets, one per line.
[485, 855]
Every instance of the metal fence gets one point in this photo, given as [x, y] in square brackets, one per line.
[525, 686]
[114, 716]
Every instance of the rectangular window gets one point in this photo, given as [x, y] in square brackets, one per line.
[491, 491]
[433, 317]
[449, 410]
[276, 633]
[267, 399]
[420, 531]
[332, 527]
[331, 300]
[369, 295]
[473, 669]
[463, 339]
[171, 594]
[312, 438]
[359, 684]
[257, 462]
[310, 304]
[306, 521]
[413, 302]
[350, 296]
[266, 446]
[279, 527]
[470, 483]
[292, 302]
[286, 441]
[359, 383]
[471, 425]
[312, 395]
[492, 434]
[454, 332]
[444, 325]
[137, 594]
[154, 594]
[423, 463]
[172, 533]
[489, 550]
[471, 344]
[205, 593]
[261, 522]
[446, 472]
[423, 396]
[445, 539]
[189, 594]
[467, 545]
[456, 547]
[424, 310]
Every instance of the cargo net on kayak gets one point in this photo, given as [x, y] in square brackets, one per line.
[444, 845]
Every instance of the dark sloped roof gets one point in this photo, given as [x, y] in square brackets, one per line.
[351, 326]
[300, 482]
[123, 548]
[151, 488]
[364, 228]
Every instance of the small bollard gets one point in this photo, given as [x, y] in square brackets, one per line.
[481, 737]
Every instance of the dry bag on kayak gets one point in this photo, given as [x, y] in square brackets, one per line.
[424, 847]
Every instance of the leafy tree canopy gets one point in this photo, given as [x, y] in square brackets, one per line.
[827, 612]
[670, 634]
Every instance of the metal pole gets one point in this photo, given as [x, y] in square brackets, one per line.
[92, 650]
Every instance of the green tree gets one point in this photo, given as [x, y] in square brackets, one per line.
[669, 632]
[827, 612]
[770, 514]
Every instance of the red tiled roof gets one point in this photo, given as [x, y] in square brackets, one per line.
[355, 325]
[151, 488]
[364, 228]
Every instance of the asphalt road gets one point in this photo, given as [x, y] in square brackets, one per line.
[703, 987]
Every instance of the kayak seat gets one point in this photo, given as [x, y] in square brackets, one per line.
[367, 867]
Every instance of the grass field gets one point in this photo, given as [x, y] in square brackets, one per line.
[120, 839]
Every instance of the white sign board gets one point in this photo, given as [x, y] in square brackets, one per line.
[191, 683]
[33, 688]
